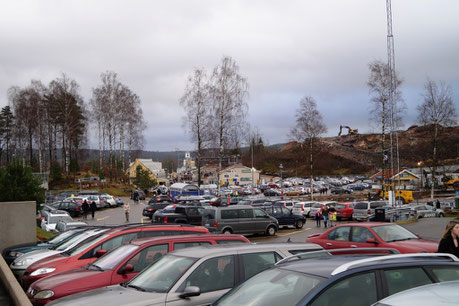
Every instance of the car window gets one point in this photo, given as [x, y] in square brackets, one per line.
[213, 274]
[259, 213]
[361, 205]
[445, 274]
[360, 234]
[403, 279]
[340, 233]
[182, 245]
[277, 210]
[358, 290]
[256, 262]
[228, 241]
[245, 213]
[112, 243]
[147, 256]
[229, 214]
[285, 211]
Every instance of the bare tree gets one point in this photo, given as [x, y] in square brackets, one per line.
[228, 92]
[196, 104]
[385, 112]
[309, 126]
[437, 110]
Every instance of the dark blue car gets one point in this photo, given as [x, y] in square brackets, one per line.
[285, 216]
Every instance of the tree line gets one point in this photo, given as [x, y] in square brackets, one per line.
[47, 126]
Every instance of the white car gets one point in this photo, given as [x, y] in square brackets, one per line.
[303, 208]
[48, 223]
[108, 199]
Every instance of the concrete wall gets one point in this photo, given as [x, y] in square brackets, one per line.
[17, 223]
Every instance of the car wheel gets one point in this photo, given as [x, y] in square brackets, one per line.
[299, 224]
[271, 231]
[227, 231]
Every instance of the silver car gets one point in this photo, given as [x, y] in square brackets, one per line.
[425, 211]
[20, 264]
[191, 276]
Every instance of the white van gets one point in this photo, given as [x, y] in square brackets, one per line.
[363, 210]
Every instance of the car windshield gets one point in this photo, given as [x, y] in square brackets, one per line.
[111, 259]
[394, 232]
[271, 287]
[163, 274]
[85, 244]
[55, 219]
[62, 237]
[70, 242]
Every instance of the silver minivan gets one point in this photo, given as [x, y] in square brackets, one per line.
[239, 219]
[363, 210]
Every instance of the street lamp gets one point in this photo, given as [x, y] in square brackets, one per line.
[422, 173]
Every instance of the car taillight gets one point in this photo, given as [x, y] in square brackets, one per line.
[150, 209]
[165, 220]
[77, 208]
[369, 211]
[215, 224]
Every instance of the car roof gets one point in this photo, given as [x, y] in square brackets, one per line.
[202, 251]
[141, 241]
[366, 224]
[326, 266]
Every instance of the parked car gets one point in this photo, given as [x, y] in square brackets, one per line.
[20, 264]
[13, 252]
[425, 211]
[74, 208]
[185, 214]
[319, 206]
[99, 202]
[108, 199]
[364, 210]
[119, 265]
[373, 235]
[192, 276]
[239, 219]
[140, 193]
[285, 216]
[63, 226]
[150, 209]
[341, 280]
[344, 210]
[272, 193]
[50, 220]
[287, 204]
[160, 198]
[87, 253]
[443, 293]
[303, 208]
[340, 190]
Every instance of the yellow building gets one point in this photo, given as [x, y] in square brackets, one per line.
[239, 174]
[154, 168]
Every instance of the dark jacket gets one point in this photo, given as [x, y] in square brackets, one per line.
[446, 245]
[85, 206]
[93, 206]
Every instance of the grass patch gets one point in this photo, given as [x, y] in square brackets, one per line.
[116, 192]
[43, 235]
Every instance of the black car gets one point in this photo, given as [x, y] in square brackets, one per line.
[74, 208]
[272, 193]
[185, 214]
[340, 190]
[150, 209]
[341, 280]
[160, 198]
[285, 216]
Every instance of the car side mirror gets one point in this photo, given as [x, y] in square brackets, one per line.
[190, 291]
[101, 252]
[372, 240]
[126, 269]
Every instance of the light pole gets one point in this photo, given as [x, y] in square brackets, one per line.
[280, 170]
[420, 165]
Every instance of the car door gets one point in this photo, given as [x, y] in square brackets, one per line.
[246, 224]
[214, 277]
[261, 219]
[287, 215]
[194, 215]
[338, 238]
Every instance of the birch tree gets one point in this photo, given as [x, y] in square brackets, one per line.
[309, 126]
[437, 110]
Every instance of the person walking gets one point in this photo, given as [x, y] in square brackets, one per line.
[127, 209]
[325, 212]
[317, 217]
[437, 204]
[136, 197]
[85, 207]
[332, 215]
[449, 240]
[93, 207]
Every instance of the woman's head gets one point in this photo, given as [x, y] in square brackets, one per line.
[452, 229]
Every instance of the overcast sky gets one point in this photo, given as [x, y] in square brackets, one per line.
[286, 50]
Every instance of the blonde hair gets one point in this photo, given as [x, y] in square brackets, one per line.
[451, 224]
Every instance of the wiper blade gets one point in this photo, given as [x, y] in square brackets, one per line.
[137, 288]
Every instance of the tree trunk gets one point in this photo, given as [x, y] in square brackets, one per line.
[311, 165]
[434, 161]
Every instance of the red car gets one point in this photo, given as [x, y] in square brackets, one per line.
[88, 251]
[344, 210]
[118, 266]
[374, 234]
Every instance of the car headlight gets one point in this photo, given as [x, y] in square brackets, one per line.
[42, 271]
[15, 254]
[23, 262]
[45, 294]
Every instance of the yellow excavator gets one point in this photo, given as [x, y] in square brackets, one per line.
[349, 130]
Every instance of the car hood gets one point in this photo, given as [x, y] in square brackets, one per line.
[415, 245]
[29, 247]
[50, 261]
[112, 295]
[32, 257]
[74, 281]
